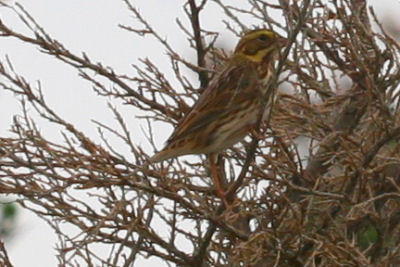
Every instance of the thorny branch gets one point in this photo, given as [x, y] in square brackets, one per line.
[321, 189]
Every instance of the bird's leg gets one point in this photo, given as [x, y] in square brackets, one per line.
[213, 158]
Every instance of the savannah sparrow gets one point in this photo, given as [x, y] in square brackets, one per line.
[228, 107]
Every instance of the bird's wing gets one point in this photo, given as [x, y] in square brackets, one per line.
[224, 90]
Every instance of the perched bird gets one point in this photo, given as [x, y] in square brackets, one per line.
[228, 108]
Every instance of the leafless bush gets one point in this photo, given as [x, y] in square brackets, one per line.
[334, 202]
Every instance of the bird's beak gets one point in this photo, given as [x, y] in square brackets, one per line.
[282, 42]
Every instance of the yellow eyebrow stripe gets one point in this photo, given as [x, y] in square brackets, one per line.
[255, 34]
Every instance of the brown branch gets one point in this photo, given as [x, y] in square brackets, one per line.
[4, 260]
[200, 51]
[321, 188]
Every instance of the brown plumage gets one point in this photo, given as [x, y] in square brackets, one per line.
[228, 107]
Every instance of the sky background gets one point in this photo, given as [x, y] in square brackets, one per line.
[92, 26]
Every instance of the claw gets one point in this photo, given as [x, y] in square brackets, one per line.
[256, 134]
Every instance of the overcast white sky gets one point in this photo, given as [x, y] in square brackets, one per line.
[91, 26]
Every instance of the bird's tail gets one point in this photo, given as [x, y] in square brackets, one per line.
[162, 155]
[170, 152]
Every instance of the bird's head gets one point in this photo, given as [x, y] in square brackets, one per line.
[259, 45]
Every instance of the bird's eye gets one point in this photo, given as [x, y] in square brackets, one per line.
[263, 37]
